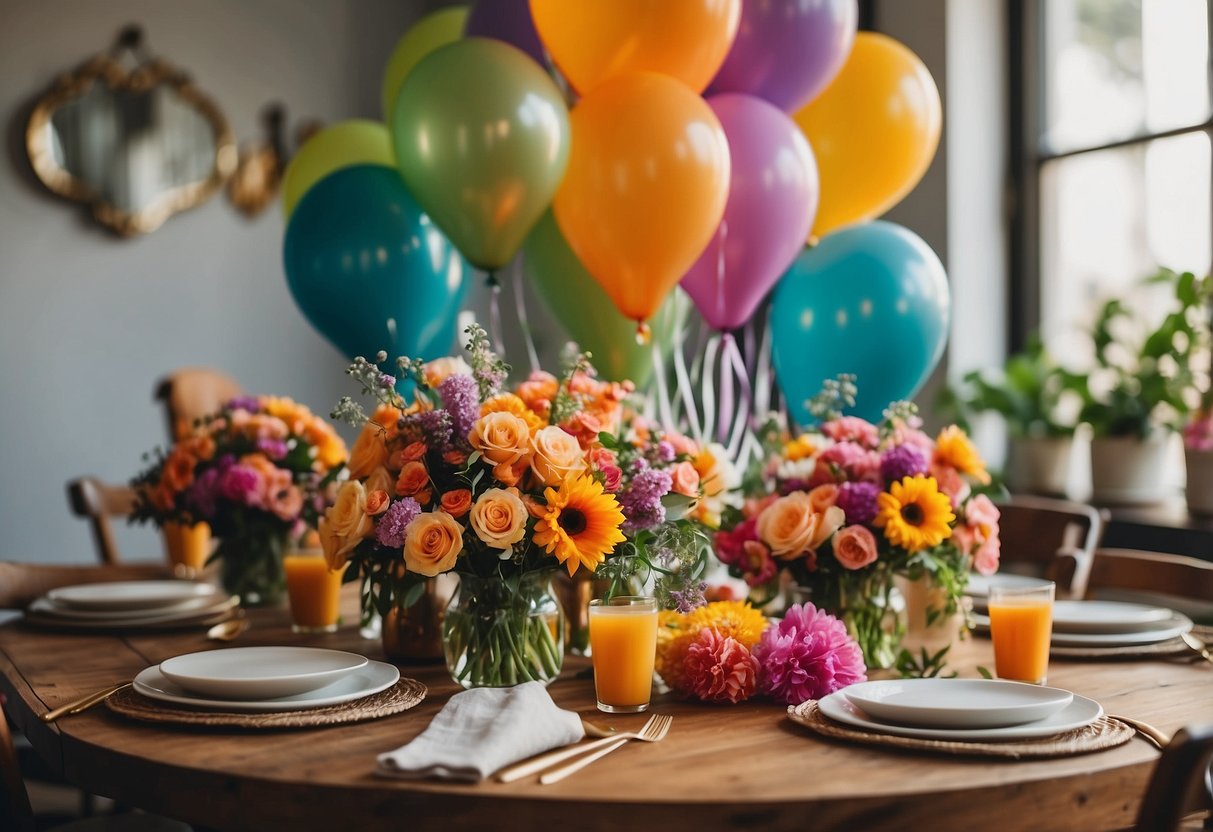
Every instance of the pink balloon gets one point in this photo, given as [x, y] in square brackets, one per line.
[772, 204]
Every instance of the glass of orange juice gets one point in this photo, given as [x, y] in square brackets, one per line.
[314, 590]
[623, 644]
[1021, 624]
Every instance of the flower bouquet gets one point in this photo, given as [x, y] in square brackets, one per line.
[258, 472]
[504, 487]
[846, 507]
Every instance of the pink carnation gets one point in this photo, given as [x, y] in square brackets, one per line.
[851, 460]
[808, 655]
[986, 558]
[719, 669]
[852, 429]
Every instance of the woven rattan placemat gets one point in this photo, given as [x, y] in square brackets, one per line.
[399, 697]
[1105, 732]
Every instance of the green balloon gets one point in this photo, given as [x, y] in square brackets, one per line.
[343, 145]
[481, 135]
[583, 307]
[427, 34]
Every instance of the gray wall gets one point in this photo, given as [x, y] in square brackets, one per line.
[88, 322]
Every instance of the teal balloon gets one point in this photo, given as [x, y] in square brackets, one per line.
[869, 299]
[370, 270]
[586, 312]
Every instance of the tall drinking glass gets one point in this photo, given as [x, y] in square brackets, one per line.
[1021, 624]
[314, 590]
[623, 645]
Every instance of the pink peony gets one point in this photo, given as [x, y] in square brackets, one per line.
[846, 462]
[808, 655]
[719, 669]
[855, 547]
[241, 484]
[852, 429]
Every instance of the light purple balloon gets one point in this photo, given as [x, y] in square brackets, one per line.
[772, 203]
[787, 51]
[507, 20]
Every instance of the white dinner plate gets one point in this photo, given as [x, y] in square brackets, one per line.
[957, 703]
[192, 605]
[1107, 617]
[43, 613]
[1175, 625]
[128, 595]
[257, 673]
[1081, 711]
[368, 680]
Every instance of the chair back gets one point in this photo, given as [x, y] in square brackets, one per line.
[1181, 783]
[191, 393]
[1181, 582]
[1034, 531]
[98, 502]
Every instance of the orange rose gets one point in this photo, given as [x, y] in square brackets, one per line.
[499, 518]
[345, 524]
[380, 480]
[555, 455]
[538, 391]
[503, 439]
[509, 403]
[686, 479]
[440, 369]
[823, 496]
[791, 528]
[369, 451]
[432, 543]
[855, 547]
[178, 470]
[377, 502]
[413, 451]
[414, 481]
[455, 457]
[456, 503]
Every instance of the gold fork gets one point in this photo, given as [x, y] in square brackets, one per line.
[653, 731]
[519, 770]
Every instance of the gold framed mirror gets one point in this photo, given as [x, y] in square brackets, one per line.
[132, 137]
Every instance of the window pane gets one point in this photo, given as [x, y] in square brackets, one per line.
[1115, 69]
[1112, 217]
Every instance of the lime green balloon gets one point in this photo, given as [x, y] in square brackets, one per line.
[343, 145]
[432, 31]
[481, 135]
[583, 307]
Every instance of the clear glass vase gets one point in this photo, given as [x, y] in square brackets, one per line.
[502, 633]
[863, 602]
[251, 567]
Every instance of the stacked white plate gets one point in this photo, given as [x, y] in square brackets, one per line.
[973, 710]
[1114, 624]
[131, 605]
[256, 679]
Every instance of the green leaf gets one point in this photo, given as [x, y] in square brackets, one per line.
[985, 672]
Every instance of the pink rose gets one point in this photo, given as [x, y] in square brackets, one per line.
[951, 483]
[981, 511]
[686, 479]
[855, 547]
[682, 444]
[985, 560]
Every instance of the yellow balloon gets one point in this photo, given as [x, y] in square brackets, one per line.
[874, 131]
[342, 145]
[435, 29]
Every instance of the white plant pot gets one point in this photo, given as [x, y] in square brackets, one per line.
[1128, 469]
[1200, 481]
[1040, 464]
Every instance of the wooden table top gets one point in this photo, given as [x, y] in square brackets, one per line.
[745, 766]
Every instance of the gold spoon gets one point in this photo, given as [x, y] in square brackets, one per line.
[227, 630]
[1197, 645]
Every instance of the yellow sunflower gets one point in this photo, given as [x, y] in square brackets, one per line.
[580, 524]
[729, 618]
[914, 513]
[799, 448]
[509, 403]
[952, 447]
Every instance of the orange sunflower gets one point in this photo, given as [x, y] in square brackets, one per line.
[953, 447]
[580, 524]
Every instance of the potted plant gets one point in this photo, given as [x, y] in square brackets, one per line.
[1141, 390]
[1198, 455]
[1028, 393]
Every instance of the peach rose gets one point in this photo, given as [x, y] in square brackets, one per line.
[345, 524]
[823, 496]
[686, 479]
[413, 480]
[499, 518]
[790, 527]
[503, 439]
[555, 455]
[456, 503]
[855, 547]
[829, 521]
[369, 451]
[380, 480]
[538, 391]
[377, 502]
[432, 543]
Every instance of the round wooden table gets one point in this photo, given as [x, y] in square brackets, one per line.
[741, 767]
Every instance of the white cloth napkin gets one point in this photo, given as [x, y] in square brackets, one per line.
[482, 730]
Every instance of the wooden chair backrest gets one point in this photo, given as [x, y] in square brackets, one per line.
[1035, 530]
[1129, 569]
[1180, 776]
[191, 393]
[97, 502]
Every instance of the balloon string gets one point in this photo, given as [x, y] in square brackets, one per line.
[663, 393]
[495, 314]
[686, 391]
[720, 269]
[742, 422]
[762, 375]
[751, 354]
[709, 386]
[725, 420]
[532, 355]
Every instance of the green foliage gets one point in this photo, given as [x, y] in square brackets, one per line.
[1150, 381]
[924, 666]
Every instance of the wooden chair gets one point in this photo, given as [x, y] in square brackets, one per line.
[1034, 531]
[1180, 776]
[21, 583]
[1184, 583]
[191, 393]
[97, 502]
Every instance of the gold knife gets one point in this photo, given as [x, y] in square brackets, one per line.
[83, 703]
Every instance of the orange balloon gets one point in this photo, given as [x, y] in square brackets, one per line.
[594, 40]
[874, 131]
[645, 188]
